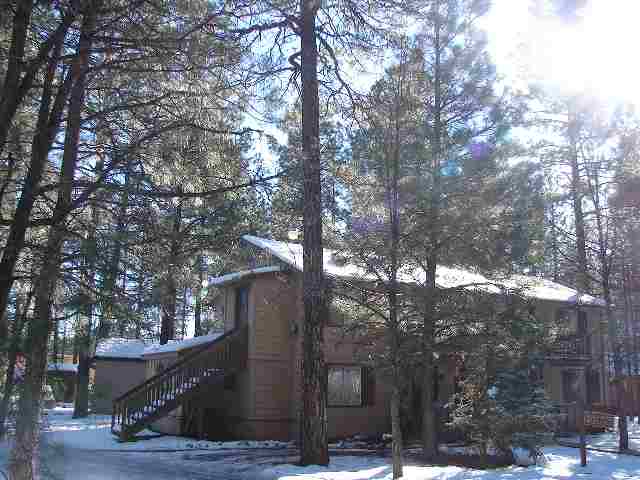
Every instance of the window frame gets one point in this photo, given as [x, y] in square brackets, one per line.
[363, 374]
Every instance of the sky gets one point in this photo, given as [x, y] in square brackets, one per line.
[596, 56]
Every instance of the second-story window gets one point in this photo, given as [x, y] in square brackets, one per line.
[242, 306]
[582, 322]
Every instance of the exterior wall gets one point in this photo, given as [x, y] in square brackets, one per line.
[596, 334]
[340, 350]
[113, 378]
[266, 399]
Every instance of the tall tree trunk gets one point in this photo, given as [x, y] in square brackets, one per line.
[168, 325]
[314, 447]
[23, 464]
[14, 348]
[573, 128]
[46, 130]
[429, 427]
[85, 331]
[392, 194]
[109, 300]
[81, 401]
[16, 86]
[21, 20]
[396, 430]
[197, 313]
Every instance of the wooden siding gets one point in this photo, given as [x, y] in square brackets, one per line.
[113, 378]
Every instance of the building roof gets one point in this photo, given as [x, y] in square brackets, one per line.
[235, 276]
[117, 347]
[135, 349]
[63, 367]
[178, 345]
[446, 276]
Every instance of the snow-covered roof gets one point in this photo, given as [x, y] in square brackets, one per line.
[178, 345]
[544, 289]
[117, 347]
[233, 277]
[446, 276]
[63, 367]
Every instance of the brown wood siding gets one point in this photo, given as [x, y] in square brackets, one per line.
[270, 319]
[342, 421]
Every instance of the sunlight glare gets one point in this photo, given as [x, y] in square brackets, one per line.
[595, 56]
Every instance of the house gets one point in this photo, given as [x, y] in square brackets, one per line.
[118, 367]
[63, 376]
[246, 383]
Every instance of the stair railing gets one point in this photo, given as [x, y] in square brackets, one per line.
[225, 354]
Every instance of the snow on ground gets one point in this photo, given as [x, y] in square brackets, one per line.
[609, 440]
[94, 433]
[562, 464]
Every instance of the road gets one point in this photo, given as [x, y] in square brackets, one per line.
[71, 464]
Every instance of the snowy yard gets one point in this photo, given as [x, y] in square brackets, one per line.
[165, 457]
[563, 464]
[94, 433]
[609, 441]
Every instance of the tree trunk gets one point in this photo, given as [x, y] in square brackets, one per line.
[85, 330]
[21, 20]
[429, 417]
[429, 427]
[46, 129]
[582, 279]
[14, 348]
[23, 464]
[197, 314]
[314, 448]
[81, 401]
[107, 318]
[396, 430]
[168, 327]
[393, 176]
[15, 87]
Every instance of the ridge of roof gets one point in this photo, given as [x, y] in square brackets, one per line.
[446, 276]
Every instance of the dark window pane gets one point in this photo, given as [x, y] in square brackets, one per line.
[242, 306]
[344, 385]
[570, 387]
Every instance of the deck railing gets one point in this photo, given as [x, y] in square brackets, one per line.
[570, 347]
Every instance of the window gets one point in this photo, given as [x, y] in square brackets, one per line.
[344, 386]
[242, 306]
[582, 322]
[570, 386]
[593, 387]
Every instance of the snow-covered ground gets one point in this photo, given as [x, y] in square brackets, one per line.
[94, 433]
[563, 463]
[272, 460]
[609, 440]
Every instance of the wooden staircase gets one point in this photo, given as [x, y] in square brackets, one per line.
[183, 381]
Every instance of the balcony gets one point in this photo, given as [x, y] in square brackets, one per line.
[570, 348]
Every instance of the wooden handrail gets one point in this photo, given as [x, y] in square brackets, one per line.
[179, 363]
